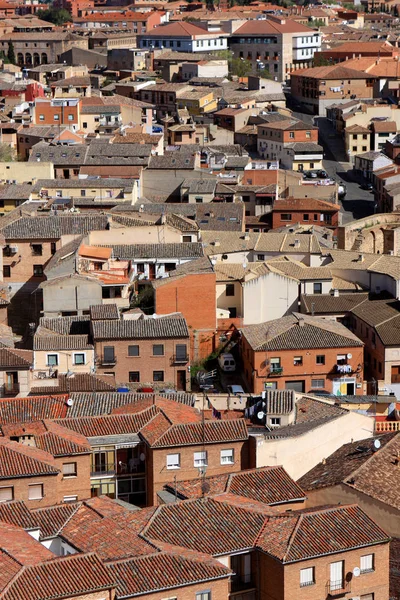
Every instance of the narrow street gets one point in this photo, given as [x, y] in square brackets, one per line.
[358, 203]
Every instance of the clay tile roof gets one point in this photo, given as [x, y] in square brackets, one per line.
[269, 485]
[18, 460]
[80, 382]
[52, 519]
[110, 424]
[22, 410]
[160, 328]
[9, 568]
[304, 535]
[95, 252]
[74, 575]
[17, 513]
[88, 531]
[384, 126]
[332, 72]
[357, 129]
[101, 312]
[202, 525]
[327, 304]
[164, 571]
[210, 432]
[297, 332]
[22, 546]
[11, 357]
[59, 441]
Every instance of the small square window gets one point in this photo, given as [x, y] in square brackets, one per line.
[79, 358]
[173, 461]
[35, 491]
[298, 361]
[367, 563]
[52, 360]
[133, 350]
[317, 288]
[320, 359]
[38, 270]
[158, 375]
[158, 349]
[317, 384]
[230, 289]
[200, 459]
[306, 217]
[6, 494]
[134, 376]
[227, 457]
[69, 469]
[37, 249]
[307, 577]
[275, 421]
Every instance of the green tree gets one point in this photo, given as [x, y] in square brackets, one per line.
[239, 67]
[57, 16]
[7, 154]
[316, 23]
[321, 61]
[11, 53]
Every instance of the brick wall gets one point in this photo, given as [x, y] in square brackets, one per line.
[21, 487]
[256, 361]
[219, 591]
[161, 475]
[21, 263]
[146, 363]
[74, 486]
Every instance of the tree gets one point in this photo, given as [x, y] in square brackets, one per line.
[11, 53]
[7, 153]
[58, 16]
[239, 67]
[316, 23]
[321, 61]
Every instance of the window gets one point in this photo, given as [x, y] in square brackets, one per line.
[306, 217]
[275, 364]
[336, 575]
[173, 461]
[109, 356]
[186, 238]
[260, 256]
[367, 563]
[53, 247]
[364, 148]
[200, 459]
[320, 359]
[70, 498]
[232, 312]
[79, 358]
[134, 376]
[41, 117]
[227, 457]
[230, 289]
[158, 349]
[158, 375]
[354, 136]
[317, 288]
[298, 361]
[70, 117]
[56, 117]
[291, 135]
[317, 384]
[203, 596]
[37, 270]
[35, 491]
[307, 577]
[6, 271]
[69, 469]
[6, 494]
[286, 217]
[37, 249]
[133, 350]
[181, 352]
[354, 148]
[275, 421]
[308, 134]
[52, 360]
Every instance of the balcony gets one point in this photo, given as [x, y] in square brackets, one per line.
[10, 389]
[387, 426]
[103, 469]
[178, 359]
[335, 589]
[107, 361]
[275, 371]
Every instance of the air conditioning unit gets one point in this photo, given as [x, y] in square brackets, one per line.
[13, 249]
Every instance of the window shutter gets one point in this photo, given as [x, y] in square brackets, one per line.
[6, 494]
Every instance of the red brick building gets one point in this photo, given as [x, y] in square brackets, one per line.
[302, 353]
[57, 111]
[305, 211]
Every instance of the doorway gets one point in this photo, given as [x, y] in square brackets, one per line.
[181, 380]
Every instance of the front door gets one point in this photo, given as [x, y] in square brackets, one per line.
[181, 380]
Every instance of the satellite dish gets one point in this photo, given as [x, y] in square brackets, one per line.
[70, 402]
[349, 355]
[377, 444]
[356, 571]
[260, 415]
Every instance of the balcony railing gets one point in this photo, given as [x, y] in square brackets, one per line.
[387, 426]
[10, 389]
[179, 359]
[106, 361]
[334, 589]
[275, 371]
[103, 469]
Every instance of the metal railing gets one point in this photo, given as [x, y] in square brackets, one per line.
[179, 359]
[276, 370]
[10, 388]
[337, 588]
[110, 360]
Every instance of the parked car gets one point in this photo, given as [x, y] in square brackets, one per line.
[311, 175]
[227, 363]
[322, 174]
[367, 186]
[235, 390]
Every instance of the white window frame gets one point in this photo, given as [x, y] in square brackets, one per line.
[307, 576]
[200, 459]
[70, 499]
[367, 563]
[206, 595]
[36, 485]
[52, 354]
[80, 354]
[275, 421]
[173, 461]
[229, 454]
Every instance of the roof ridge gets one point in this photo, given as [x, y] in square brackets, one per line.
[73, 513]
[360, 467]
[292, 536]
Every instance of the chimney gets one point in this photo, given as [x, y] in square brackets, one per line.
[336, 293]
[297, 243]
[216, 243]
[246, 236]
[361, 258]
[300, 321]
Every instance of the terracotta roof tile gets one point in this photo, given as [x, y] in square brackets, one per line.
[52, 519]
[62, 577]
[18, 460]
[197, 433]
[17, 513]
[164, 571]
[11, 357]
[22, 410]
